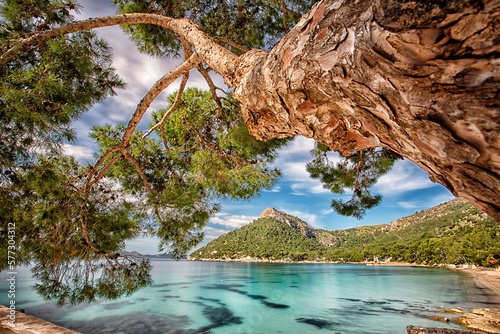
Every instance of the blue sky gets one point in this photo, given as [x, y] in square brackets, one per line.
[405, 189]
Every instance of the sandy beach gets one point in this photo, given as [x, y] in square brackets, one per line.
[487, 279]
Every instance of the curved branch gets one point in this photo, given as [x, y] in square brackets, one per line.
[139, 170]
[187, 54]
[92, 178]
[210, 84]
[215, 55]
[146, 101]
[174, 106]
[157, 88]
[90, 175]
[230, 42]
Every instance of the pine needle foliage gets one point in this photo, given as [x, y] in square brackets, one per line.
[201, 154]
[357, 172]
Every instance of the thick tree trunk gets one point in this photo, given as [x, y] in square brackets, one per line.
[419, 77]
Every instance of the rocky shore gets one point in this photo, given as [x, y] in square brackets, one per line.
[14, 322]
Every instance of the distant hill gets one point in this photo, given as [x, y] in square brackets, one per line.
[149, 256]
[451, 233]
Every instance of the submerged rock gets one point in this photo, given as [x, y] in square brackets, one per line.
[440, 319]
[315, 322]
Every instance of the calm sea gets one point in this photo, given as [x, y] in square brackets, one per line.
[193, 297]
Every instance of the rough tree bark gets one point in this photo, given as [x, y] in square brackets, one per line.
[419, 77]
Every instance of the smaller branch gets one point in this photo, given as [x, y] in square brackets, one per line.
[157, 88]
[146, 101]
[287, 11]
[172, 108]
[223, 91]
[230, 42]
[213, 88]
[93, 170]
[139, 170]
[91, 181]
[285, 14]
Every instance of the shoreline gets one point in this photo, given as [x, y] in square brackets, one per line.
[487, 281]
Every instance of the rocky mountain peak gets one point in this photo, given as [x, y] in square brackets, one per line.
[292, 221]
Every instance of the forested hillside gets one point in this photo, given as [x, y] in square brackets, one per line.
[451, 233]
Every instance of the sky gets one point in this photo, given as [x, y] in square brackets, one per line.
[406, 189]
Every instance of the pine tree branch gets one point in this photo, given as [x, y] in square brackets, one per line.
[157, 88]
[170, 110]
[188, 54]
[203, 71]
[141, 109]
[215, 55]
[139, 170]
[92, 179]
[230, 42]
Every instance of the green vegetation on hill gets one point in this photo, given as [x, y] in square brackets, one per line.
[264, 238]
[451, 233]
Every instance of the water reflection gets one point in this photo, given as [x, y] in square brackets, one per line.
[109, 276]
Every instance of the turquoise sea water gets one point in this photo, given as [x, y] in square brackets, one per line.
[193, 297]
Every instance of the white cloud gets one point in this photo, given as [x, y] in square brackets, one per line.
[275, 189]
[426, 203]
[403, 177]
[79, 152]
[231, 221]
[326, 211]
[292, 162]
[213, 233]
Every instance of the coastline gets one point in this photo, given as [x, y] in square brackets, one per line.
[487, 280]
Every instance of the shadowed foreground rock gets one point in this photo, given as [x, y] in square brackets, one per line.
[27, 324]
[428, 330]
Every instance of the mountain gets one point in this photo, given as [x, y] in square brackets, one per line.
[148, 256]
[451, 233]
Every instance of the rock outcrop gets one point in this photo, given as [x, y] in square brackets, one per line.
[486, 320]
[27, 324]
[290, 220]
[426, 330]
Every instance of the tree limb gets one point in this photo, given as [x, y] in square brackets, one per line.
[230, 42]
[157, 88]
[146, 101]
[218, 57]
[140, 172]
[170, 110]
[203, 71]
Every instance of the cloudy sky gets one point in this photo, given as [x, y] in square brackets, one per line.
[405, 189]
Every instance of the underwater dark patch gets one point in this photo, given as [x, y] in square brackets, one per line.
[116, 306]
[218, 317]
[374, 302]
[169, 284]
[318, 323]
[274, 305]
[138, 322]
